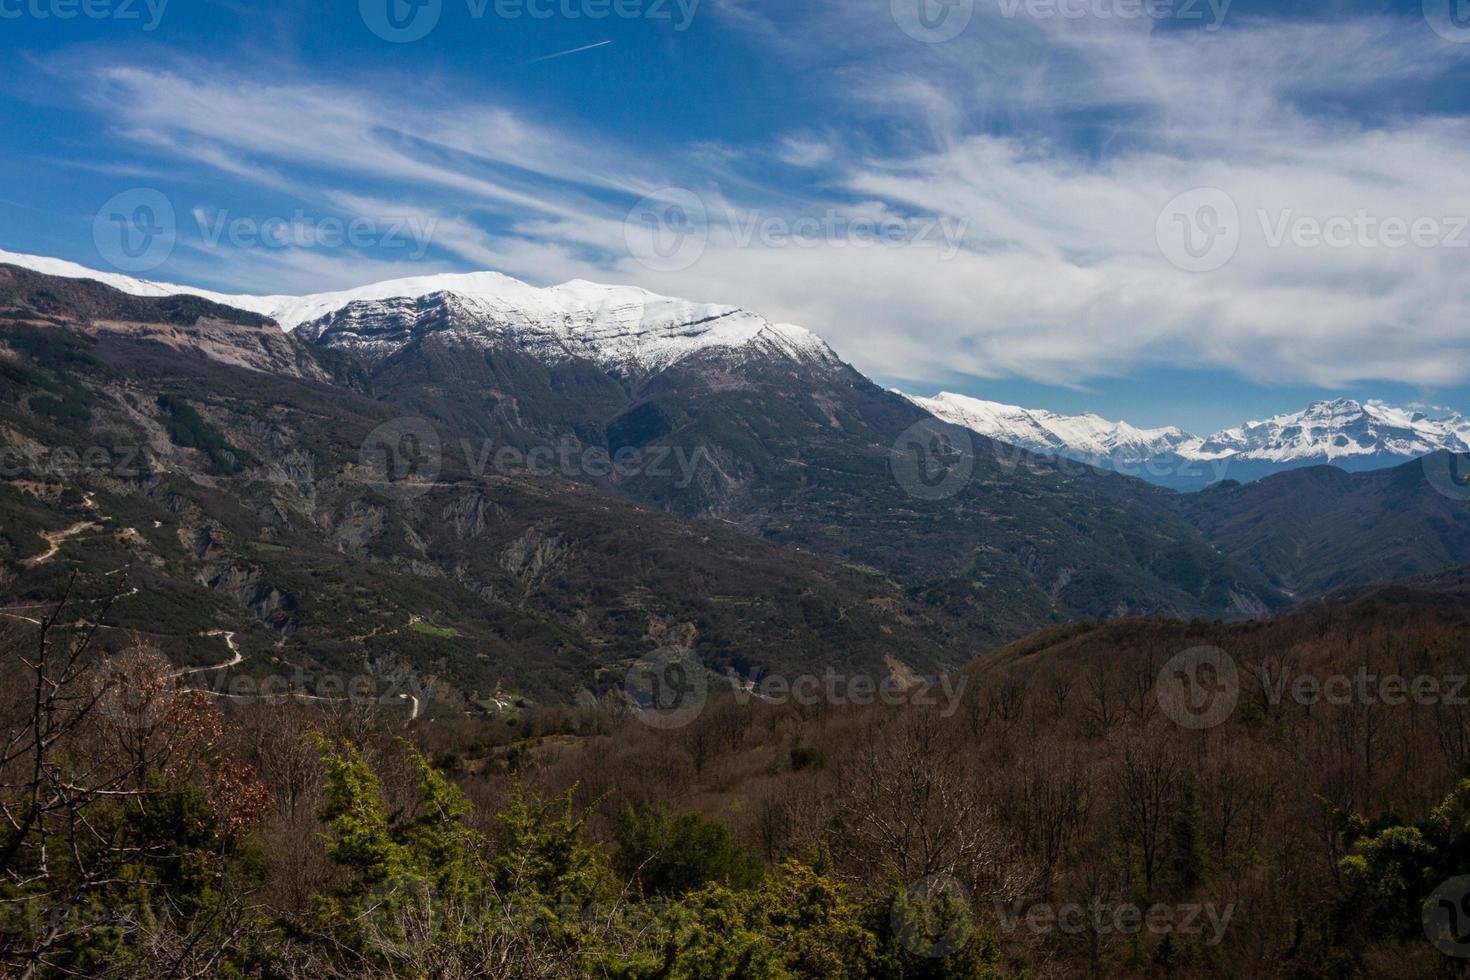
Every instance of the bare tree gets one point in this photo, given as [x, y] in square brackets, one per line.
[911, 798]
[86, 736]
[1147, 782]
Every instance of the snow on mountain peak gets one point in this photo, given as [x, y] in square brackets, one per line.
[1087, 436]
[1342, 431]
[629, 328]
[616, 326]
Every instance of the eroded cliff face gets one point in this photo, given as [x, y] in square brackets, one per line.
[183, 323]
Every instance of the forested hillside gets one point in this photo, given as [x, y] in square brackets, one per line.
[1063, 808]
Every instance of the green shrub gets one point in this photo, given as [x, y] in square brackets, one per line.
[187, 428]
[671, 856]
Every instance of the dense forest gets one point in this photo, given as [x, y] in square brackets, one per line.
[1057, 816]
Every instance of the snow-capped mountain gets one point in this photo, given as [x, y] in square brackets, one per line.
[617, 327]
[1340, 431]
[1345, 433]
[634, 332]
[1082, 436]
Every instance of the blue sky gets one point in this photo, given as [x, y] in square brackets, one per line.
[1170, 211]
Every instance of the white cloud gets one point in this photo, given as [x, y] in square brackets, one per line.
[802, 151]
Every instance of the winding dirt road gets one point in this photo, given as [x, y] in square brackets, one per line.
[57, 538]
[236, 658]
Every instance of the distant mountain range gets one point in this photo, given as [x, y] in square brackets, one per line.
[1354, 436]
[638, 334]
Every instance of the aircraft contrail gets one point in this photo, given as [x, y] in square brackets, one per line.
[563, 54]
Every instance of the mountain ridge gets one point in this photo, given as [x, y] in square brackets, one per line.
[623, 327]
[637, 333]
[1352, 435]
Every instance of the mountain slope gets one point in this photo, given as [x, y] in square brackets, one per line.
[253, 502]
[1319, 528]
[765, 433]
[800, 450]
[788, 443]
